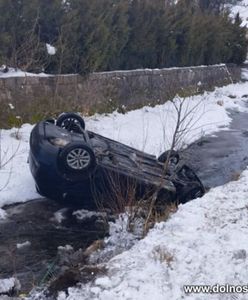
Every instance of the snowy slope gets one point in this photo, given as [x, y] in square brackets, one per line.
[148, 129]
[205, 242]
[242, 8]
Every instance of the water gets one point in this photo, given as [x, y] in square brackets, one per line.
[34, 222]
[220, 158]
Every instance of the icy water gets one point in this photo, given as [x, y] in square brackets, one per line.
[33, 263]
[220, 158]
[216, 159]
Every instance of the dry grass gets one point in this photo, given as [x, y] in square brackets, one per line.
[158, 214]
[162, 255]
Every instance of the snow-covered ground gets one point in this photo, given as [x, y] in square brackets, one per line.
[204, 243]
[242, 8]
[149, 129]
[12, 72]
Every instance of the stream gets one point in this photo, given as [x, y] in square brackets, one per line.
[221, 157]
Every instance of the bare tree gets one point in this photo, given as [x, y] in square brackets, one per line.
[185, 122]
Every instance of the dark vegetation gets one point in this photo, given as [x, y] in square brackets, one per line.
[102, 35]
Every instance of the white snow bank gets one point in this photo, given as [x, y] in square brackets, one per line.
[16, 182]
[149, 129]
[154, 70]
[205, 242]
[13, 72]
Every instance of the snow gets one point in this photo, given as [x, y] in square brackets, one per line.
[65, 248]
[11, 106]
[205, 242]
[23, 245]
[159, 70]
[16, 183]
[84, 214]
[149, 129]
[120, 238]
[51, 50]
[242, 8]
[3, 214]
[6, 285]
[15, 72]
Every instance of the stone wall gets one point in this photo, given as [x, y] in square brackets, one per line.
[36, 97]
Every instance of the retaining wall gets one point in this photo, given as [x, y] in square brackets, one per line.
[35, 97]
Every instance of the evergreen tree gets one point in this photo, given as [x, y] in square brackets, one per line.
[93, 35]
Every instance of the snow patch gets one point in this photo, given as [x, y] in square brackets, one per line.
[3, 214]
[121, 237]
[8, 284]
[59, 215]
[23, 245]
[51, 50]
[65, 248]
[15, 72]
[84, 214]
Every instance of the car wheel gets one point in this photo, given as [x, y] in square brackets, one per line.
[191, 194]
[174, 157]
[77, 161]
[71, 122]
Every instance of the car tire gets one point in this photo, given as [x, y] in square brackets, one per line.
[71, 122]
[77, 161]
[174, 157]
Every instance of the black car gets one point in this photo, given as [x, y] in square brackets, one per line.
[70, 163]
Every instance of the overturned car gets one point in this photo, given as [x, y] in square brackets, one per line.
[70, 163]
